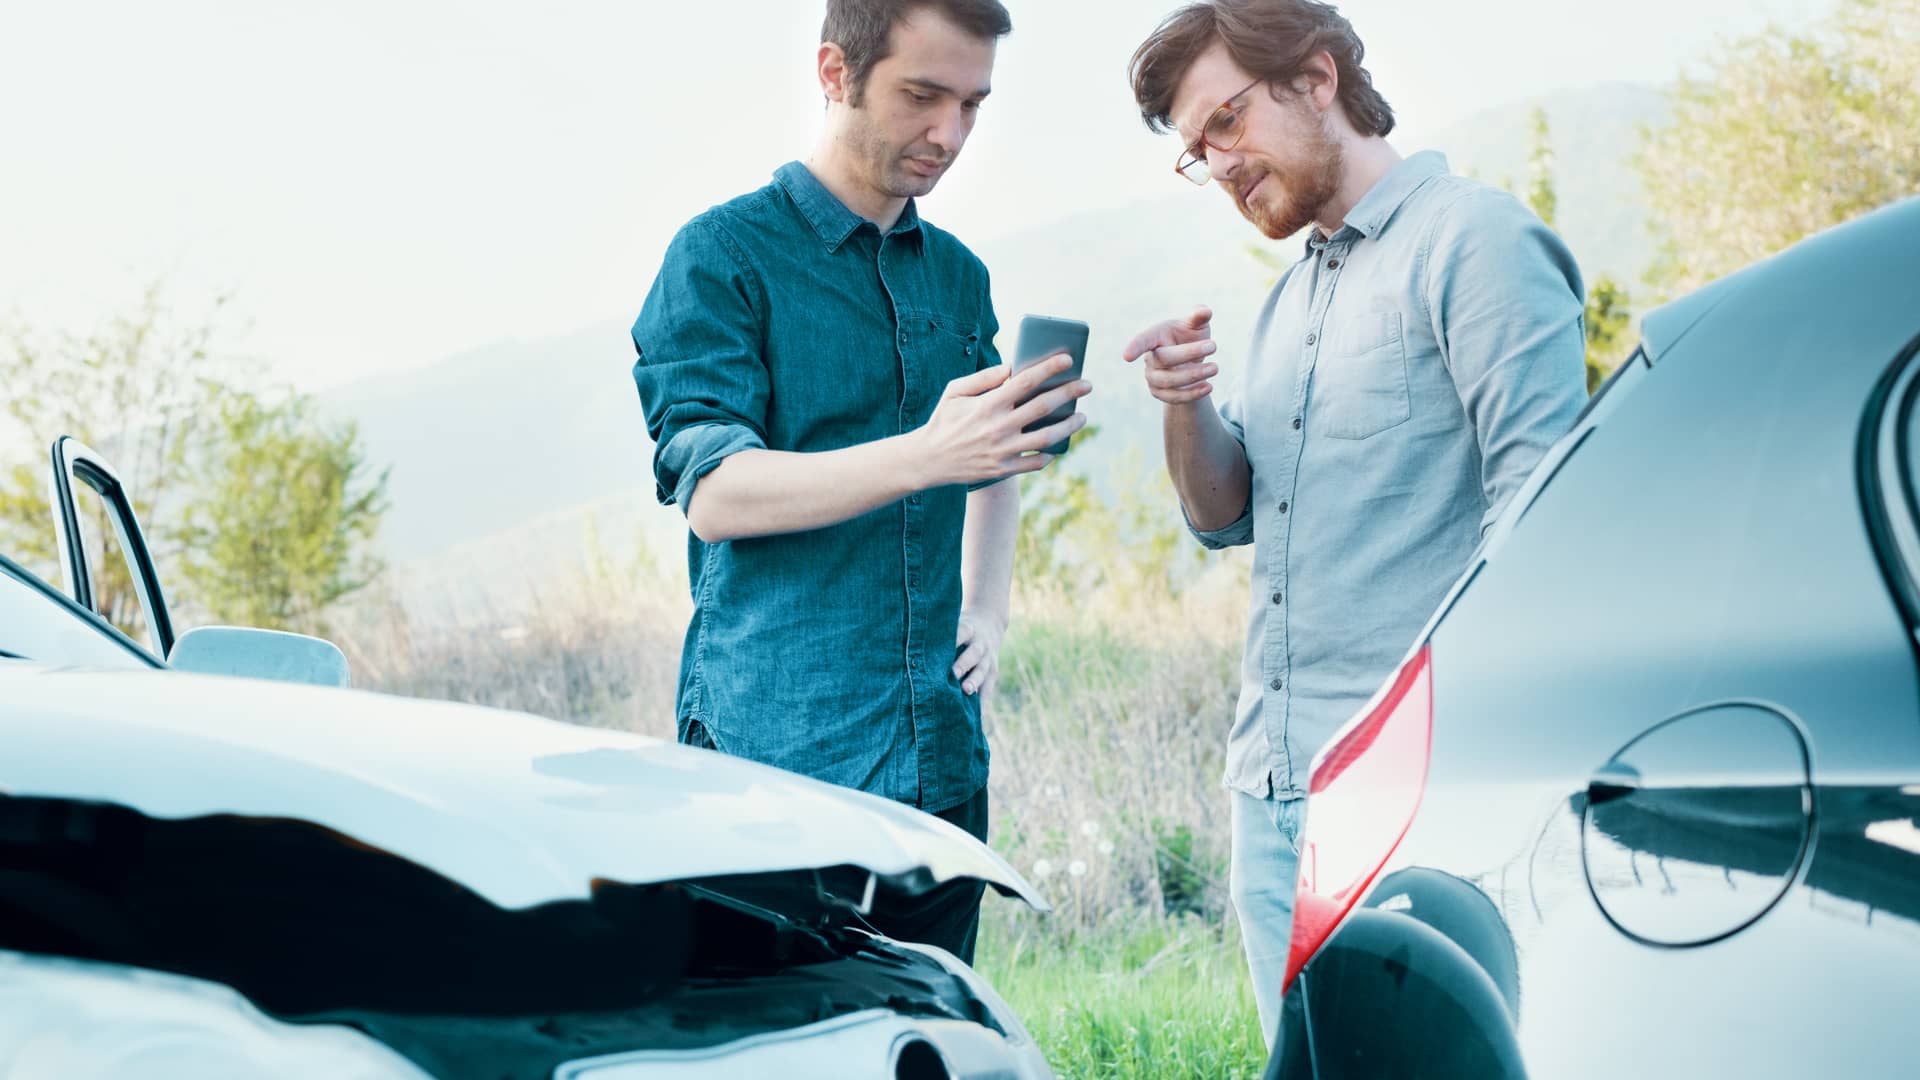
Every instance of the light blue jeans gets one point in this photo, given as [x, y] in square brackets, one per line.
[1266, 858]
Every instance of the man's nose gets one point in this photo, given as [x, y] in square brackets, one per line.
[1222, 164]
[949, 132]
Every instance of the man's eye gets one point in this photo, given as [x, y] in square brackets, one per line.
[972, 106]
[920, 98]
[1223, 126]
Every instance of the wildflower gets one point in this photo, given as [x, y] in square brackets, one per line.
[1106, 847]
[1042, 868]
[1090, 828]
[1077, 868]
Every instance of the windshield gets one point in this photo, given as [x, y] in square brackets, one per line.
[37, 622]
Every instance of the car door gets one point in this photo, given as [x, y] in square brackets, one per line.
[78, 473]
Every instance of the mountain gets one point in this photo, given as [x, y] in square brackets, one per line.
[496, 437]
[515, 439]
[1594, 133]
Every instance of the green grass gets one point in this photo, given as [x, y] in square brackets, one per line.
[1141, 998]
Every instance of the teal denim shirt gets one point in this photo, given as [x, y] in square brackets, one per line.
[782, 320]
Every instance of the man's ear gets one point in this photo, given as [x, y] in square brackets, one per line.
[1319, 78]
[835, 80]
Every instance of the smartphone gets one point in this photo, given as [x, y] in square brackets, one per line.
[1041, 337]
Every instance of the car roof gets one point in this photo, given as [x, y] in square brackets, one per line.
[1832, 264]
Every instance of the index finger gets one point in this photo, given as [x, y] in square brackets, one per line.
[978, 383]
[1144, 342]
[1161, 334]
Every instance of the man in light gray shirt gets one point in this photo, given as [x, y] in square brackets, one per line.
[1403, 379]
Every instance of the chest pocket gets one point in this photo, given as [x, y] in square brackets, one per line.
[935, 350]
[1360, 380]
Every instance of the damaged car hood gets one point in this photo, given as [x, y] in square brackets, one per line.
[521, 810]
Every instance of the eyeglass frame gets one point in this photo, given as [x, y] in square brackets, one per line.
[1198, 149]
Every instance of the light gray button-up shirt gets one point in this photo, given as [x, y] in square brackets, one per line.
[1405, 376]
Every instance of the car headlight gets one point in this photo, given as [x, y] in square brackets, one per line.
[80, 1020]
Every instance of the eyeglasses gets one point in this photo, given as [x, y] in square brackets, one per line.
[1222, 131]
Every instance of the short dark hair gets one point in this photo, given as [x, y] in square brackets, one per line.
[864, 28]
[1271, 39]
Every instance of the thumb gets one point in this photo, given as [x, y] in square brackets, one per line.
[979, 382]
[1202, 315]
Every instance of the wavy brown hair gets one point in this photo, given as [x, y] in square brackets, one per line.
[1270, 39]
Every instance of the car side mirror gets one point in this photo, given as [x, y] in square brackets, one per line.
[260, 654]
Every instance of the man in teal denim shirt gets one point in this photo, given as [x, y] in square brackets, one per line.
[819, 377]
[1404, 377]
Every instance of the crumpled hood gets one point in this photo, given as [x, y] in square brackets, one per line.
[521, 810]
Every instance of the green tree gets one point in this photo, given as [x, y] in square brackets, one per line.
[1609, 314]
[283, 511]
[1608, 322]
[1782, 135]
[1542, 196]
[135, 390]
[1056, 505]
[187, 436]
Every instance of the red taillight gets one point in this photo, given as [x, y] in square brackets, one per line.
[1366, 787]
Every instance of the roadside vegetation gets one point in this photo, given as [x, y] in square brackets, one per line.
[1107, 730]
[1119, 670]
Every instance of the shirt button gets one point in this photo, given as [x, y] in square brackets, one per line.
[1283, 508]
[1296, 423]
[1276, 684]
[1277, 596]
[1311, 338]
[1333, 264]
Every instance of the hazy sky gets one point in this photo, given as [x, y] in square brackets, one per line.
[381, 184]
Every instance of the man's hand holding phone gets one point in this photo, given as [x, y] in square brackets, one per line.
[975, 433]
[1178, 369]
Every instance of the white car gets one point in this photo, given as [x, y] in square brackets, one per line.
[210, 876]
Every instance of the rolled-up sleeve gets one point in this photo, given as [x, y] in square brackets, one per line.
[1240, 532]
[1508, 306]
[700, 370]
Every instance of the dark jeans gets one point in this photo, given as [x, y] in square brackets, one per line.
[947, 915]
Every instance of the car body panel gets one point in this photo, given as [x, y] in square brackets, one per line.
[1704, 547]
[518, 809]
[875, 1042]
[66, 1017]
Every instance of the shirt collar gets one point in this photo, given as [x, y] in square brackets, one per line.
[830, 218]
[1370, 216]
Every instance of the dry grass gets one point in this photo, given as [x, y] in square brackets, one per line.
[593, 639]
[1107, 740]
[1107, 733]
[1106, 728]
